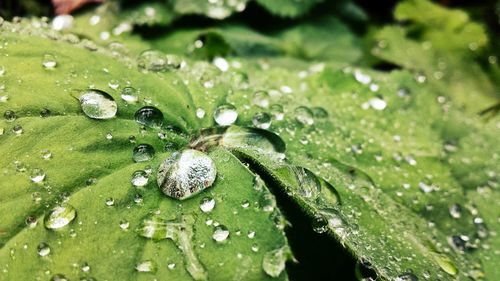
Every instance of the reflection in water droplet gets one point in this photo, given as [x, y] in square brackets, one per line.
[149, 116]
[97, 104]
[207, 204]
[304, 115]
[186, 173]
[43, 249]
[225, 115]
[59, 216]
[143, 152]
[49, 61]
[262, 120]
[221, 233]
[139, 178]
[273, 263]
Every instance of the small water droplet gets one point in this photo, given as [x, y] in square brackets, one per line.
[146, 266]
[186, 173]
[319, 112]
[200, 113]
[225, 115]
[245, 204]
[143, 152]
[251, 234]
[17, 129]
[255, 248]
[377, 103]
[37, 175]
[304, 115]
[319, 224]
[31, 221]
[221, 63]
[49, 61]
[59, 216]
[129, 95]
[273, 262]
[361, 77]
[45, 113]
[140, 178]
[46, 154]
[171, 266]
[408, 276]
[262, 120]
[43, 249]
[85, 267]
[277, 111]
[149, 116]
[97, 104]
[9, 115]
[114, 84]
[207, 204]
[124, 225]
[221, 233]
[59, 277]
[455, 211]
[261, 99]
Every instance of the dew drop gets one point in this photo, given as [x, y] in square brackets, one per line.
[9, 115]
[139, 178]
[207, 204]
[43, 249]
[46, 154]
[17, 129]
[49, 61]
[59, 277]
[200, 113]
[186, 173]
[31, 221]
[37, 175]
[114, 84]
[97, 104]
[408, 276]
[277, 111]
[143, 152]
[171, 266]
[221, 233]
[319, 112]
[377, 103]
[59, 216]
[304, 115]
[455, 211]
[45, 113]
[361, 77]
[129, 95]
[146, 266]
[319, 224]
[124, 225]
[273, 262]
[262, 120]
[225, 115]
[261, 99]
[149, 116]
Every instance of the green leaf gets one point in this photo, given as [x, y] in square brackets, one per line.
[90, 168]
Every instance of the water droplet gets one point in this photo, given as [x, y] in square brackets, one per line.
[2, 70]
[207, 204]
[149, 116]
[221, 63]
[46, 154]
[97, 104]
[267, 202]
[43, 249]
[143, 152]
[221, 233]
[304, 115]
[49, 61]
[139, 178]
[146, 266]
[31, 221]
[114, 84]
[171, 266]
[262, 120]
[319, 224]
[251, 234]
[455, 211]
[186, 173]
[37, 175]
[274, 261]
[319, 112]
[377, 103]
[61, 22]
[124, 225]
[361, 77]
[255, 248]
[245, 204]
[59, 216]
[261, 99]
[200, 112]
[9, 115]
[59, 277]
[156, 61]
[277, 111]
[225, 115]
[85, 267]
[45, 113]
[17, 129]
[129, 95]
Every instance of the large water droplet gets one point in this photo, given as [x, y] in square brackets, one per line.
[273, 263]
[221, 233]
[143, 152]
[149, 116]
[59, 216]
[186, 173]
[97, 104]
[225, 115]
